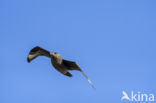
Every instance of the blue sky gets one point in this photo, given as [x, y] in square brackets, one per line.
[112, 40]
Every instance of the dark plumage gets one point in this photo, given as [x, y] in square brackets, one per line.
[57, 61]
[37, 51]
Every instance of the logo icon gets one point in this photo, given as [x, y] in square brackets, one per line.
[125, 96]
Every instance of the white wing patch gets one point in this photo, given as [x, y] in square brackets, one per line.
[31, 56]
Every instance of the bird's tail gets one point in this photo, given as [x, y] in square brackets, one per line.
[88, 79]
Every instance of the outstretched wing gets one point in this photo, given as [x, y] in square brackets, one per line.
[74, 66]
[37, 51]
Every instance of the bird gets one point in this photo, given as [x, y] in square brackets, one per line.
[60, 64]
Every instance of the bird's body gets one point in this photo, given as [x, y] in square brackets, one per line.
[60, 64]
[56, 61]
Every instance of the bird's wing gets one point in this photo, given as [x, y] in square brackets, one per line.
[74, 66]
[37, 51]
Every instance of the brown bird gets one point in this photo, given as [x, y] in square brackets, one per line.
[57, 61]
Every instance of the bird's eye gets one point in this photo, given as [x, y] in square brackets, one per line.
[55, 52]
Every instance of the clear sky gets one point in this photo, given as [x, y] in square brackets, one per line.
[114, 42]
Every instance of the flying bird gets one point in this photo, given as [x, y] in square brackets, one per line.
[60, 64]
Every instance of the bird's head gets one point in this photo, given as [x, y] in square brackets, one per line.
[56, 56]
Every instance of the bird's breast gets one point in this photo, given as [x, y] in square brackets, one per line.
[58, 66]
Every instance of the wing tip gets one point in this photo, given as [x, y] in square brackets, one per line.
[28, 60]
[91, 84]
